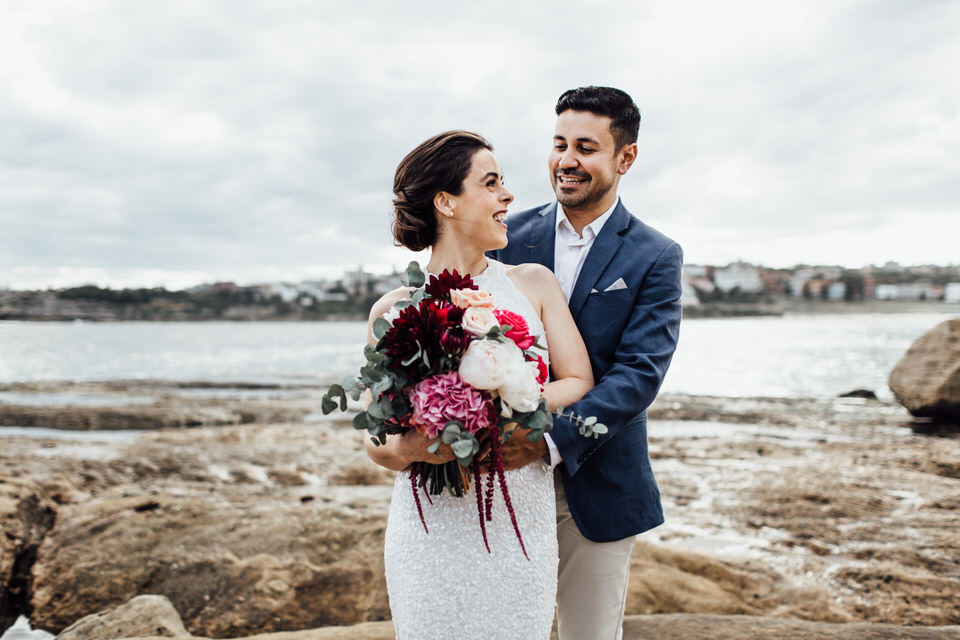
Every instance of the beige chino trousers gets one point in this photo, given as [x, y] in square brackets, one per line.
[592, 580]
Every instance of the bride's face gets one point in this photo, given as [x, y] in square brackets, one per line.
[479, 213]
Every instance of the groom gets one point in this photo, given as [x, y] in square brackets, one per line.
[621, 279]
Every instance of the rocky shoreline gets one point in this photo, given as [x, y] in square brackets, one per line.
[255, 515]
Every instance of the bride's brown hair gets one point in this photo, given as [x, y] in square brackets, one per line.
[438, 164]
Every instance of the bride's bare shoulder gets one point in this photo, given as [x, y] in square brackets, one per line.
[532, 274]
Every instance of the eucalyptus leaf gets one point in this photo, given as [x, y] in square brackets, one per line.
[385, 406]
[434, 447]
[465, 448]
[417, 296]
[374, 410]
[451, 431]
[327, 405]
[380, 327]
[361, 420]
[369, 375]
[414, 275]
[381, 386]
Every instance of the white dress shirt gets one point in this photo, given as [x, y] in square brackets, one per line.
[570, 251]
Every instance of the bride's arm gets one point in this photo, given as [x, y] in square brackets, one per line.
[569, 362]
[401, 450]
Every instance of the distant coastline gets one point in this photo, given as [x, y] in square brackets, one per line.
[46, 307]
[801, 306]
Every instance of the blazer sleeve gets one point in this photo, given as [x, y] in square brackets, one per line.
[641, 360]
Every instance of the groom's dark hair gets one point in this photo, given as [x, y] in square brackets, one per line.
[606, 101]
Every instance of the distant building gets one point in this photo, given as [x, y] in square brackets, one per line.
[951, 292]
[836, 291]
[907, 291]
[740, 276]
[286, 292]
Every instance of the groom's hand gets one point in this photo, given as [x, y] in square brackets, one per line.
[519, 452]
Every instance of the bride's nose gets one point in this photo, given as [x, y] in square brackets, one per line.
[507, 197]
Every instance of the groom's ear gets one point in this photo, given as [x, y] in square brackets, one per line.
[626, 157]
[444, 204]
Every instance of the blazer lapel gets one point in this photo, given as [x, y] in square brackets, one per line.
[541, 237]
[604, 248]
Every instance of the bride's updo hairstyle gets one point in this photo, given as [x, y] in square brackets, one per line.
[438, 164]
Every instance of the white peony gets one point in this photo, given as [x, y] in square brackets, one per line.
[486, 363]
[479, 320]
[520, 390]
[499, 367]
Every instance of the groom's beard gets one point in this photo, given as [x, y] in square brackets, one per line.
[592, 192]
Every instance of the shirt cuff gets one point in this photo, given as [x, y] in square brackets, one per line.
[555, 457]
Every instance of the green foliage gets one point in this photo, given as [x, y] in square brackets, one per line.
[414, 276]
[588, 427]
[463, 443]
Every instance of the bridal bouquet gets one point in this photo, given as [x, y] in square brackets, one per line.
[453, 366]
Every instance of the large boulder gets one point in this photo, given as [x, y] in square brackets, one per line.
[146, 615]
[231, 567]
[926, 380]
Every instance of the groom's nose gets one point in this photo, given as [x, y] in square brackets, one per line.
[568, 159]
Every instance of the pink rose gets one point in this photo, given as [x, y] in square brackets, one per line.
[439, 399]
[478, 320]
[465, 298]
[519, 331]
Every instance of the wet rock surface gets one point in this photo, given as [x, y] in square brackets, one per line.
[146, 615]
[834, 512]
[926, 380]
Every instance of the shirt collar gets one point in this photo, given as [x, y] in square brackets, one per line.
[592, 230]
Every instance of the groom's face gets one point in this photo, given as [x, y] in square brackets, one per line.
[585, 165]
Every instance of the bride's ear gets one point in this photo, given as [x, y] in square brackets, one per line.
[443, 204]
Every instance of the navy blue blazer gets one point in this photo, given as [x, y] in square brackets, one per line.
[631, 334]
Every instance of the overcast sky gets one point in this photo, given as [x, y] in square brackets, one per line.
[176, 142]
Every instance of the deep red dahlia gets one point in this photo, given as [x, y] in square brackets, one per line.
[439, 286]
[421, 329]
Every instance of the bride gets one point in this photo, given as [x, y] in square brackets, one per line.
[450, 197]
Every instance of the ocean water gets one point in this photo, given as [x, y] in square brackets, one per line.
[789, 356]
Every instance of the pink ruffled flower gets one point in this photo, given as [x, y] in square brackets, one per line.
[519, 332]
[466, 298]
[441, 398]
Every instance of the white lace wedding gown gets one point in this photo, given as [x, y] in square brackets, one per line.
[444, 585]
